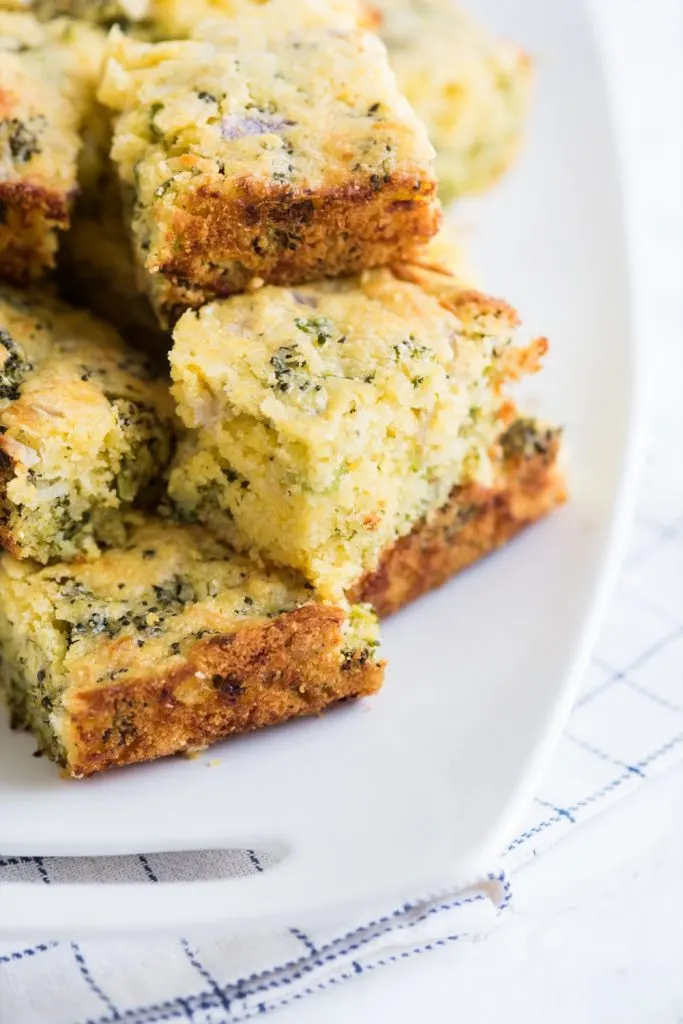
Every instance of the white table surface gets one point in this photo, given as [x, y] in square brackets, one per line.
[595, 933]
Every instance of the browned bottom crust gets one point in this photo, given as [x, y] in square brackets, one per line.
[229, 684]
[30, 217]
[215, 247]
[474, 522]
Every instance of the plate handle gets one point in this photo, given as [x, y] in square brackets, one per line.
[75, 910]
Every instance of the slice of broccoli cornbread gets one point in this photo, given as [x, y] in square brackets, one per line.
[264, 156]
[169, 643]
[86, 427]
[48, 75]
[327, 419]
[470, 87]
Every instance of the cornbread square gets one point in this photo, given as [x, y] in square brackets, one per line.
[326, 420]
[476, 520]
[86, 428]
[470, 88]
[262, 156]
[47, 88]
[167, 644]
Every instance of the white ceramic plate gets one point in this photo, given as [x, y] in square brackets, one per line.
[420, 787]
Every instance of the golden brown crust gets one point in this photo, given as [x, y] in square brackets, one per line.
[470, 303]
[328, 233]
[8, 543]
[23, 195]
[474, 522]
[29, 217]
[228, 684]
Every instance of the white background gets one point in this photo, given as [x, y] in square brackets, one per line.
[595, 932]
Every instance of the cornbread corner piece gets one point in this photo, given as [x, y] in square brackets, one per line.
[86, 428]
[168, 644]
[265, 157]
[47, 88]
[475, 521]
[347, 409]
[470, 87]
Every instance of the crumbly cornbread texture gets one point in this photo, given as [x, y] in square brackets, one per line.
[327, 419]
[170, 643]
[86, 427]
[47, 87]
[264, 156]
[100, 12]
[470, 88]
[475, 521]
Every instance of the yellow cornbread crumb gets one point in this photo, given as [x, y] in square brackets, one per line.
[325, 420]
[101, 12]
[86, 426]
[180, 18]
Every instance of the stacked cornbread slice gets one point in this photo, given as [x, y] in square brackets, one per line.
[201, 556]
[261, 155]
[329, 421]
